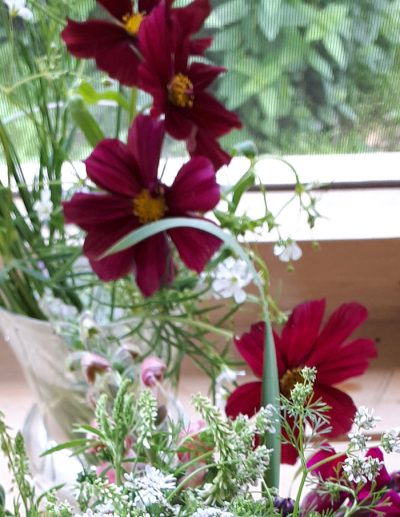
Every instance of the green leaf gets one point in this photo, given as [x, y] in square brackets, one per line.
[269, 99]
[66, 445]
[269, 19]
[320, 65]
[243, 185]
[91, 96]
[228, 38]
[315, 32]
[85, 121]
[227, 13]
[333, 44]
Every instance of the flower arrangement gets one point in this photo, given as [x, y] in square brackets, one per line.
[126, 256]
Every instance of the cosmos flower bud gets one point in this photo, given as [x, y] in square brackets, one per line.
[93, 364]
[284, 504]
[152, 371]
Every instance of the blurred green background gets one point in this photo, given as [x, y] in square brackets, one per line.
[305, 76]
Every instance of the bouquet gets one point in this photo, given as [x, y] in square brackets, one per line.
[130, 257]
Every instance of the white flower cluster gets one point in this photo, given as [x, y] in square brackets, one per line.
[361, 469]
[212, 512]
[365, 418]
[390, 440]
[149, 488]
[230, 277]
[358, 467]
[266, 419]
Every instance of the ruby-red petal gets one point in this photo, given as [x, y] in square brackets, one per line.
[251, 347]
[106, 42]
[112, 167]
[201, 143]
[349, 361]
[245, 400]
[153, 264]
[300, 332]
[147, 5]
[145, 138]
[195, 247]
[329, 470]
[117, 8]
[155, 47]
[89, 210]
[199, 46]
[99, 239]
[203, 75]
[340, 326]
[178, 122]
[342, 408]
[211, 115]
[195, 188]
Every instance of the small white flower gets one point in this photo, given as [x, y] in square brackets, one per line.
[359, 440]
[361, 469]
[18, 8]
[225, 380]
[88, 326]
[44, 206]
[391, 440]
[365, 418]
[288, 252]
[230, 277]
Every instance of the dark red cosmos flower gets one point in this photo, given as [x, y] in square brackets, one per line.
[135, 196]
[178, 86]
[303, 343]
[388, 505]
[114, 43]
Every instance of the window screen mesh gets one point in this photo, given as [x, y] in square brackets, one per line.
[306, 76]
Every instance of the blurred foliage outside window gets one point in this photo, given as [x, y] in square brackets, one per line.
[306, 76]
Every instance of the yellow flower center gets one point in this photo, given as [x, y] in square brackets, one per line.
[132, 23]
[148, 208]
[288, 381]
[180, 91]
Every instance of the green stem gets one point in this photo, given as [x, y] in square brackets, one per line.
[189, 477]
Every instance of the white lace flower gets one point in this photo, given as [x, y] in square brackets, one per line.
[212, 512]
[230, 277]
[391, 440]
[365, 418]
[18, 8]
[150, 487]
[44, 206]
[288, 252]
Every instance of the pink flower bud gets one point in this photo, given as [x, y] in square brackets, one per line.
[152, 371]
[92, 364]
